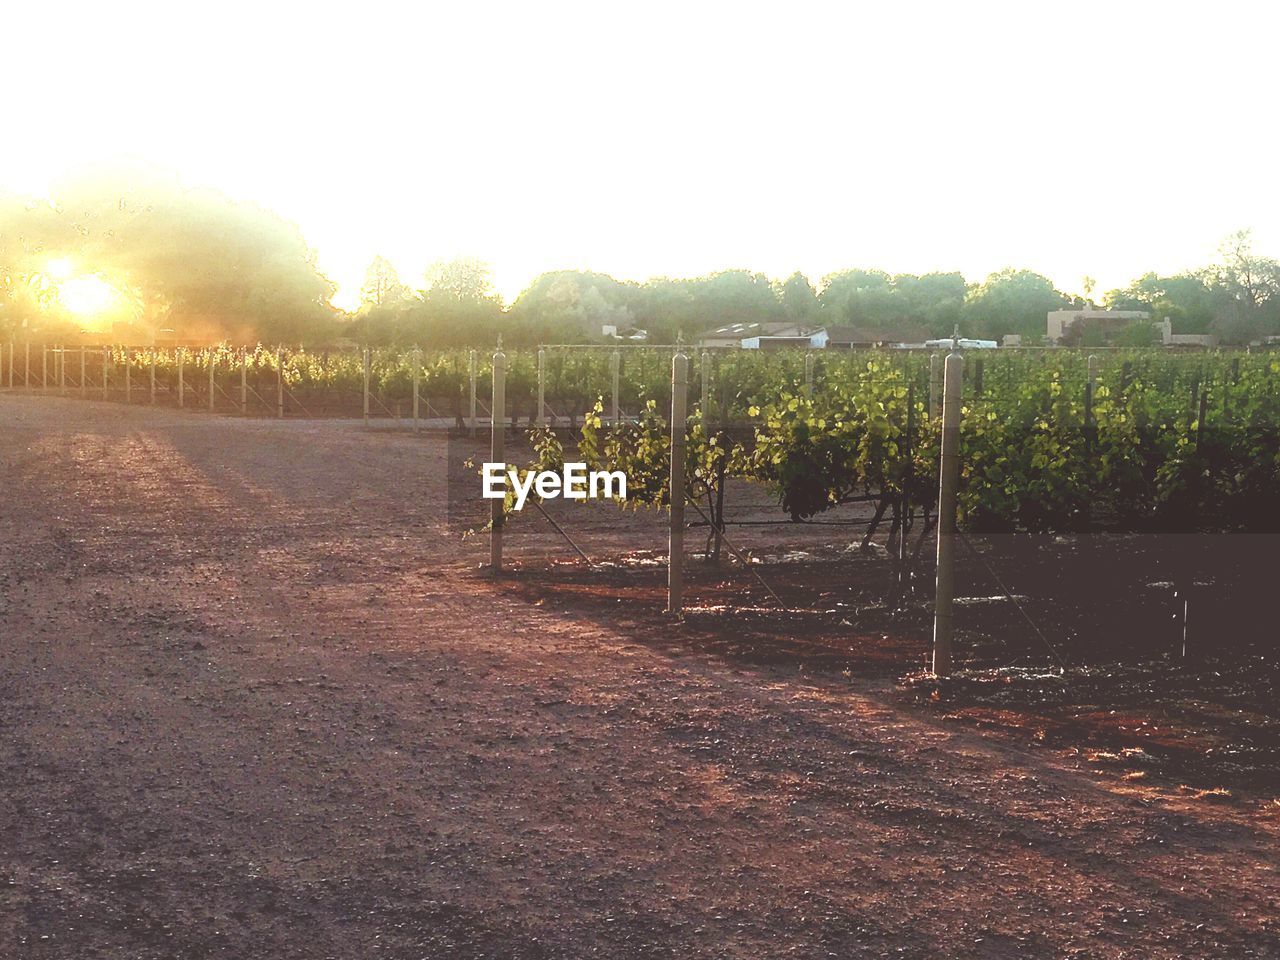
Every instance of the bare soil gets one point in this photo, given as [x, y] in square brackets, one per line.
[257, 699]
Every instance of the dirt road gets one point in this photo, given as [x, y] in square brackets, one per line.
[255, 701]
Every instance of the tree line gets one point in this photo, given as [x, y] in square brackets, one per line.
[193, 264]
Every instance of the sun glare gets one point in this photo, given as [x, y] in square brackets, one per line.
[59, 269]
[87, 296]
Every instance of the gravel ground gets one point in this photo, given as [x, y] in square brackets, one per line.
[257, 701]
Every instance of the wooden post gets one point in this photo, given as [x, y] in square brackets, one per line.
[1093, 369]
[417, 376]
[26, 368]
[948, 484]
[13, 350]
[44, 368]
[704, 384]
[128, 375]
[675, 550]
[84, 381]
[244, 382]
[542, 387]
[279, 383]
[212, 385]
[182, 384]
[497, 454]
[615, 368]
[153, 374]
[935, 385]
[367, 361]
[106, 364]
[62, 370]
[471, 416]
[808, 376]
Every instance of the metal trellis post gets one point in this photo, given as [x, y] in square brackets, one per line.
[948, 483]
[497, 454]
[675, 554]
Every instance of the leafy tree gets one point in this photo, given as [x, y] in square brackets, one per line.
[798, 298]
[858, 296]
[188, 260]
[461, 280]
[880, 302]
[382, 285]
[1012, 301]
[571, 305]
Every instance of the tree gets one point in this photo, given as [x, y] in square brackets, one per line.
[382, 285]
[571, 305]
[188, 260]
[863, 297]
[462, 279]
[798, 298]
[1012, 301]
[1253, 280]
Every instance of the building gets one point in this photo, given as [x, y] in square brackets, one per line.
[1171, 339]
[854, 337]
[964, 343]
[736, 334]
[1110, 322]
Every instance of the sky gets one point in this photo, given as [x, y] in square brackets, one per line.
[677, 139]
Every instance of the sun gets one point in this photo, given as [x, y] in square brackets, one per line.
[87, 295]
[59, 268]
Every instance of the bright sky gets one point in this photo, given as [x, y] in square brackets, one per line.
[679, 138]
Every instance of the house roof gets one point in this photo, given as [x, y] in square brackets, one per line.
[852, 333]
[772, 328]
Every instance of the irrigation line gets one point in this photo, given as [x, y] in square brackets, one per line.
[794, 523]
[560, 530]
[734, 550]
[1008, 595]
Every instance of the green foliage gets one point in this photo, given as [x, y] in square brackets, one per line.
[1011, 301]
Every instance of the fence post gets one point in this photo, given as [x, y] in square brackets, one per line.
[182, 383]
[62, 369]
[471, 416]
[935, 385]
[366, 386]
[13, 351]
[497, 454]
[615, 368]
[542, 387]
[808, 376]
[948, 482]
[244, 382]
[279, 383]
[26, 368]
[128, 375]
[417, 370]
[44, 368]
[675, 552]
[212, 385]
[152, 391]
[704, 383]
[106, 363]
[84, 366]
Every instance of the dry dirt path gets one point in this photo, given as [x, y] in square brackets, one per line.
[255, 701]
